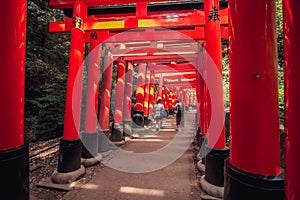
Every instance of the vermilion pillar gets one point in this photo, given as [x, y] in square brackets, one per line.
[70, 145]
[185, 98]
[292, 98]
[204, 108]
[160, 87]
[151, 93]
[170, 106]
[146, 96]
[165, 99]
[127, 122]
[138, 117]
[90, 137]
[14, 170]
[199, 96]
[213, 49]
[92, 87]
[117, 133]
[216, 151]
[191, 98]
[105, 102]
[254, 166]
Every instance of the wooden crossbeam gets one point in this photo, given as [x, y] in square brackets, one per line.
[196, 19]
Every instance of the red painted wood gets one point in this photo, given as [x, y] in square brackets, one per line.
[128, 92]
[106, 92]
[151, 92]
[69, 3]
[140, 91]
[118, 114]
[292, 73]
[12, 69]
[160, 88]
[147, 91]
[254, 87]
[74, 86]
[213, 48]
[92, 87]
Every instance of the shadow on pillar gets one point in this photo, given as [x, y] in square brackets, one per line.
[240, 184]
[138, 119]
[69, 162]
[103, 141]
[14, 173]
[90, 155]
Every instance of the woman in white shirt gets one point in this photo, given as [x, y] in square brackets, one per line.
[157, 110]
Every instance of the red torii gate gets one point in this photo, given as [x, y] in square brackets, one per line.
[81, 22]
[12, 144]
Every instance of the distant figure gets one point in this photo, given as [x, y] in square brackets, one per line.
[158, 108]
[179, 110]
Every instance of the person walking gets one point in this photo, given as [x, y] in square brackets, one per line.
[179, 110]
[158, 109]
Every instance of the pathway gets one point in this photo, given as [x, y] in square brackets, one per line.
[175, 181]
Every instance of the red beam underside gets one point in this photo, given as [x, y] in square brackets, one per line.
[161, 58]
[183, 76]
[69, 3]
[92, 23]
[174, 71]
[186, 66]
[152, 35]
[166, 51]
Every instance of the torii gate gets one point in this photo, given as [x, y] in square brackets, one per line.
[14, 153]
[82, 23]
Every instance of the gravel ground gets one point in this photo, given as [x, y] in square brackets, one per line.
[45, 164]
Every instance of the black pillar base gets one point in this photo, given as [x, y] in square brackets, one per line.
[196, 120]
[138, 119]
[214, 165]
[14, 173]
[127, 128]
[103, 141]
[171, 111]
[247, 186]
[203, 149]
[201, 142]
[147, 121]
[117, 133]
[89, 145]
[199, 137]
[69, 156]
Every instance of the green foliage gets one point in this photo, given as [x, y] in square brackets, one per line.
[279, 23]
[225, 63]
[46, 73]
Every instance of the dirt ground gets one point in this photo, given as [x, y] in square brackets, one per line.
[178, 180]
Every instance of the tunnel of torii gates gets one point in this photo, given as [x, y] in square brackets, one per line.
[252, 170]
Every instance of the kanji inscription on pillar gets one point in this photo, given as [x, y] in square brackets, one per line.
[214, 14]
[77, 22]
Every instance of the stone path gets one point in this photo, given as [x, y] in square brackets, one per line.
[119, 179]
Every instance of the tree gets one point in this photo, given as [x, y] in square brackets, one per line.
[46, 73]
